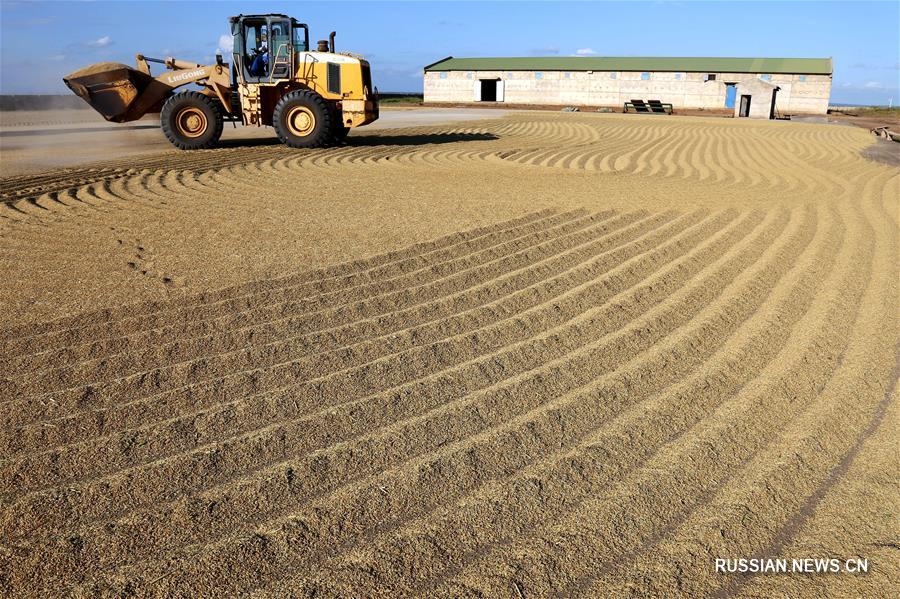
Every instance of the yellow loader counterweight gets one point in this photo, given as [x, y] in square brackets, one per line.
[311, 98]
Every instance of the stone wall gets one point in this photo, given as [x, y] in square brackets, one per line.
[800, 94]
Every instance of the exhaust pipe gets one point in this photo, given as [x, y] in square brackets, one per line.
[331, 41]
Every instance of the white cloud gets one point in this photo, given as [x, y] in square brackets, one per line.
[100, 42]
[585, 52]
[226, 43]
[873, 85]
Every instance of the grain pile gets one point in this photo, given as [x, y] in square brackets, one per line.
[542, 355]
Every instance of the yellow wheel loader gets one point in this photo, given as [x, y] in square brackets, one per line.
[311, 98]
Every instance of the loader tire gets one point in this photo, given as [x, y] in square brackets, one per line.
[192, 121]
[340, 133]
[302, 119]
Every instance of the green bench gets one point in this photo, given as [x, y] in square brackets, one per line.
[637, 105]
[660, 107]
[651, 107]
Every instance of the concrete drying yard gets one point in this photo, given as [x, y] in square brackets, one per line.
[529, 355]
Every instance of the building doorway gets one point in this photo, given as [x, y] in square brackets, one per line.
[745, 106]
[730, 94]
[488, 90]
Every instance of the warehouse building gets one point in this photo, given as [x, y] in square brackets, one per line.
[797, 85]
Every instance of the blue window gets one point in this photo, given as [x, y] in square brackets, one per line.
[468, 75]
[443, 75]
[677, 76]
[613, 75]
[766, 77]
[802, 77]
[509, 74]
[568, 74]
[538, 75]
[645, 76]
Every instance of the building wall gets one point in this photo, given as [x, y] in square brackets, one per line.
[807, 94]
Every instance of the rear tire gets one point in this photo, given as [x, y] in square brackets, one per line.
[302, 119]
[192, 121]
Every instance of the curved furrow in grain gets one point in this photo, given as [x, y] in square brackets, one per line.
[324, 312]
[781, 477]
[496, 569]
[251, 287]
[755, 410]
[637, 138]
[77, 426]
[713, 155]
[849, 514]
[520, 440]
[675, 162]
[630, 227]
[753, 159]
[492, 502]
[627, 160]
[690, 161]
[562, 479]
[652, 162]
[600, 159]
[458, 378]
[731, 162]
[353, 382]
[797, 180]
[424, 430]
[398, 260]
[422, 268]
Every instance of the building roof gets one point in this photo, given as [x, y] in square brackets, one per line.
[804, 66]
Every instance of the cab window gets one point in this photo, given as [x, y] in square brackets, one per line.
[299, 40]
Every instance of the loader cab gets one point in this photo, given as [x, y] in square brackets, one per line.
[264, 46]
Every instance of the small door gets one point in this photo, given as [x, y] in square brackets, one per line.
[488, 90]
[745, 106]
[500, 91]
[730, 94]
[477, 91]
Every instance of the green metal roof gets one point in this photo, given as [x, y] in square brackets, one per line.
[804, 66]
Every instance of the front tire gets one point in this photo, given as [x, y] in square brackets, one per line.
[340, 133]
[302, 120]
[192, 121]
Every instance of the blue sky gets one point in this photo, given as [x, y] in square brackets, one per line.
[42, 41]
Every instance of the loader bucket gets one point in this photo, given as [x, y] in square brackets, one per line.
[111, 88]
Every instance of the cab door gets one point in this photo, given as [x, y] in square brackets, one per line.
[281, 48]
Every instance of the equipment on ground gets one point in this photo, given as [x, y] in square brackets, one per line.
[311, 98]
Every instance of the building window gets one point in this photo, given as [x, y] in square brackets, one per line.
[568, 74]
[766, 77]
[444, 75]
[509, 74]
[711, 77]
[802, 77]
[612, 75]
[538, 75]
[677, 76]
[468, 75]
[645, 76]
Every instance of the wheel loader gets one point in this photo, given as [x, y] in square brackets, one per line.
[311, 98]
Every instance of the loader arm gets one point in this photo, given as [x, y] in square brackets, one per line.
[123, 94]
